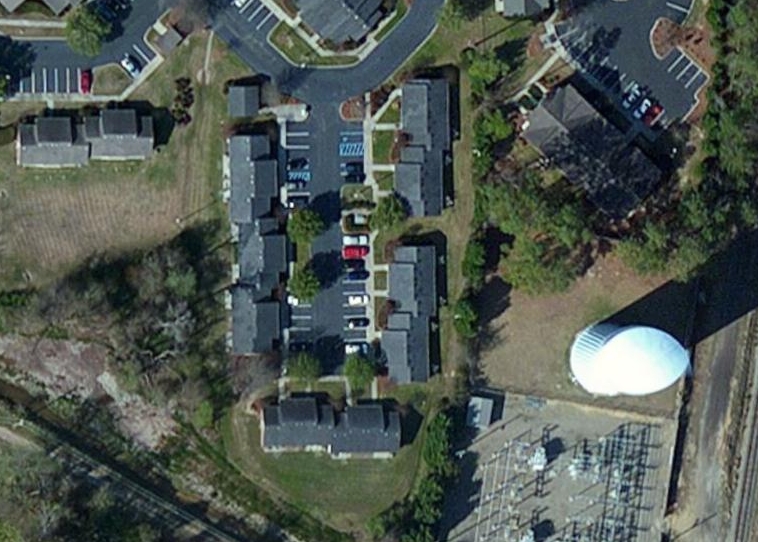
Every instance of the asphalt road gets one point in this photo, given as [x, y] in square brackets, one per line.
[318, 86]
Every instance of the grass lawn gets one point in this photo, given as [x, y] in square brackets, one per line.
[380, 280]
[298, 51]
[302, 254]
[335, 390]
[345, 494]
[352, 193]
[379, 302]
[382, 145]
[401, 8]
[392, 113]
[109, 79]
[385, 180]
[52, 220]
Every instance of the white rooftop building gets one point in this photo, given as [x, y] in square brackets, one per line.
[633, 360]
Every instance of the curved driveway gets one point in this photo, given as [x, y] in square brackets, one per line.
[322, 85]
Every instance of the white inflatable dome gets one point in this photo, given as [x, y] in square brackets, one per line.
[634, 360]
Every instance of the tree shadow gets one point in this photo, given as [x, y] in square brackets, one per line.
[16, 59]
[327, 205]
[493, 240]
[492, 300]
[512, 52]
[117, 22]
[328, 349]
[461, 503]
[327, 266]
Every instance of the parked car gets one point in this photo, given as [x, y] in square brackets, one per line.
[292, 300]
[239, 3]
[360, 219]
[353, 265]
[352, 167]
[353, 252]
[356, 275]
[105, 11]
[653, 114]
[352, 240]
[357, 323]
[355, 178]
[358, 300]
[131, 66]
[632, 96]
[297, 163]
[642, 109]
[297, 202]
[357, 348]
[85, 81]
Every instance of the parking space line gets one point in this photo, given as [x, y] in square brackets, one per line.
[21, 85]
[140, 52]
[255, 12]
[685, 70]
[298, 134]
[79, 79]
[55, 79]
[692, 79]
[673, 64]
[44, 80]
[677, 7]
[301, 316]
[33, 81]
[298, 328]
[270, 14]
[247, 5]
[298, 147]
[68, 80]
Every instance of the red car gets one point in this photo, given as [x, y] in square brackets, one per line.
[354, 252]
[653, 114]
[85, 81]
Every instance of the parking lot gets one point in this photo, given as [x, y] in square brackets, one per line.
[342, 313]
[255, 17]
[565, 472]
[609, 44]
[57, 70]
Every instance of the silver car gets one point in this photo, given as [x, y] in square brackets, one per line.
[131, 66]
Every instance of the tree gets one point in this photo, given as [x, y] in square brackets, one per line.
[484, 69]
[86, 31]
[304, 284]
[388, 213]
[202, 418]
[304, 367]
[473, 263]
[465, 319]
[304, 225]
[359, 371]
[437, 446]
[182, 283]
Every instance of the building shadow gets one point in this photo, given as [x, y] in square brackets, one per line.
[462, 499]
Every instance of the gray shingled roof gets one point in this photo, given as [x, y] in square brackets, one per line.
[525, 8]
[254, 181]
[298, 423]
[118, 134]
[591, 152]
[256, 325]
[413, 288]
[341, 20]
[425, 118]
[244, 100]
[56, 6]
[262, 259]
[52, 142]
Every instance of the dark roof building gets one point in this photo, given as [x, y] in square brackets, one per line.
[119, 134]
[422, 169]
[406, 341]
[302, 424]
[521, 8]
[114, 134]
[340, 21]
[261, 248]
[56, 6]
[244, 100]
[51, 142]
[591, 152]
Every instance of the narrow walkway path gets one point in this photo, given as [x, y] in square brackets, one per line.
[31, 23]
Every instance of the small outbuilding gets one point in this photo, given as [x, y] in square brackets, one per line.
[244, 101]
[479, 412]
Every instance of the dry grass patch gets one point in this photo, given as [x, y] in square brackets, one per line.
[51, 220]
[530, 340]
[109, 80]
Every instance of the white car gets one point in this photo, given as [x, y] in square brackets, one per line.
[642, 109]
[632, 95]
[354, 240]
[239, 3]
[131, 67]
[356, 348]
[292, 300]
[358, 300]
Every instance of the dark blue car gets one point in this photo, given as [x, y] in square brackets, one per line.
[358, 274]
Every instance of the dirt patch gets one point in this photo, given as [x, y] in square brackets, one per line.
[353, 109]
[74, 368]
[695, 41]
[527, 340]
